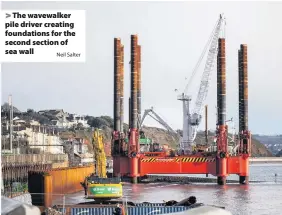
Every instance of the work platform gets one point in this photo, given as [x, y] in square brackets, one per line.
[216, 159]
[191, 165]
[182, 165]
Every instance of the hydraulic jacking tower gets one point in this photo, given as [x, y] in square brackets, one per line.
[125, 155]
[244, 133]
[222, 130]
[118, 135]
[135, 103]
[225, 164]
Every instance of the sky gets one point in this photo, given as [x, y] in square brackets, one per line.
[172, 36]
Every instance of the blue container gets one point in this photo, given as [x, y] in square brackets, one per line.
[149, 204]
[92, 211]
[131, 210]
[155, 210]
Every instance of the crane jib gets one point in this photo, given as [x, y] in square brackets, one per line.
[194, 119]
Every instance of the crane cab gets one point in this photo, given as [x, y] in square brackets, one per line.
[196, 119]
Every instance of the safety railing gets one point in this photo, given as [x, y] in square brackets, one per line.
[34, 158]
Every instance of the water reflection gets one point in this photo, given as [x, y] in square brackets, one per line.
[239, 199]
[242, 198]
[256, 198]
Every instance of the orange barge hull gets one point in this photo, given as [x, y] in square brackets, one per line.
[183, 165]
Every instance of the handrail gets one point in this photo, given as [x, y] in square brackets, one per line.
[33, 158]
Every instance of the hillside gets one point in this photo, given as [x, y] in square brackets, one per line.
[258, 149]
[279, 154]
[272, 142]
[162, 136]
[105, 123]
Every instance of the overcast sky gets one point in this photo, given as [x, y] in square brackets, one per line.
[172, 36]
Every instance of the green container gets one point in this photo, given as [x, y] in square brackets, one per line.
[105, 190]
[142, 141]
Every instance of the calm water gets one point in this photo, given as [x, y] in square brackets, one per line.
[263, 198]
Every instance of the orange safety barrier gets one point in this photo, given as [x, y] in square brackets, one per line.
[56, 181]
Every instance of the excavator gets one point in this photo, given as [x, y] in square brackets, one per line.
[156, 147]
[97, 186]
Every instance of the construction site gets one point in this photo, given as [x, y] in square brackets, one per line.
[135, 156]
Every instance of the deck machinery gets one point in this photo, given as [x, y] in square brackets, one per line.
[129, 161]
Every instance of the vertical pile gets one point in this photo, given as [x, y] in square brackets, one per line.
[117, 87]
[221, 162]
[139, 85]
[129, 108]
[121, 88]
[221, 83]
[133, 143]
[133, 86]
[243, 100]
[221, 99]
[243, 88]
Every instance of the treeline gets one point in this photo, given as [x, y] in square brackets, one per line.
[100, 122]
[279, 154]
[103, 122]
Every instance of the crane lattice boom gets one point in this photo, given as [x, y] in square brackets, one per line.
[193, 120]
[205, 81]
[206, 77]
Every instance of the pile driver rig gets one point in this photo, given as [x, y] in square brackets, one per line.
[129, 161]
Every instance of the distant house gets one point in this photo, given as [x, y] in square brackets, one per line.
[34, 122]
[79, 144]
[61, 123]
[19, 122]
[77, 151]
[38, 138]
[57, 116]
[80, 119]
[62, 119]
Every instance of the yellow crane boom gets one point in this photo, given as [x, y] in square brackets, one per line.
[99, 154]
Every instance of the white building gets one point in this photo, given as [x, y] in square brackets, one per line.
[80, 119]
[46, 142]
[61, 123]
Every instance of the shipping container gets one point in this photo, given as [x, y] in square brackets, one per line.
[130, 210]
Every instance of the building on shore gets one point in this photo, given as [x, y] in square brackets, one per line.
[39, 139]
